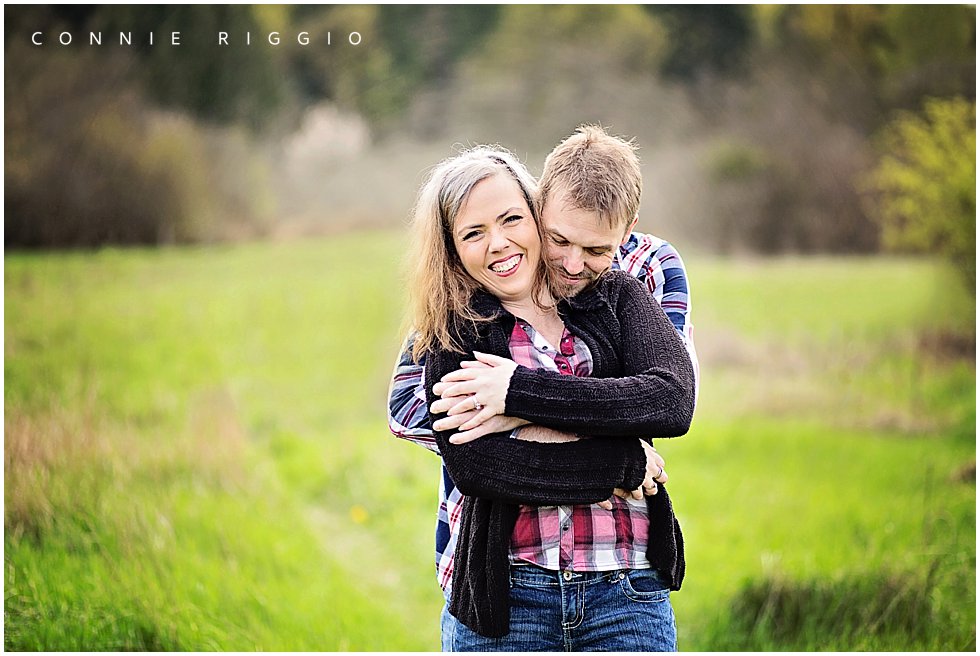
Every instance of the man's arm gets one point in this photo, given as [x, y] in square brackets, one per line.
[658, 265]
[408, 412]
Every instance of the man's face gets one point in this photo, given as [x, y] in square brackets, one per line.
[578, 243]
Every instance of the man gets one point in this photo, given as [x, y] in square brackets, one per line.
[590, 193]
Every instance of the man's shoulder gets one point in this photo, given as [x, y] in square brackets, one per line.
[644, 242]
[642, 254]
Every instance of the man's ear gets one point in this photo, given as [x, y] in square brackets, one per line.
[629, 228]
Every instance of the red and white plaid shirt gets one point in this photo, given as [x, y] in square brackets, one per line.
[578, 538]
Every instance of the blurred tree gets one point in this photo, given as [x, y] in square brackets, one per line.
[547, 68]
[832, 50]
[219, 84]
[930, 51]
[425, 41]
[713, 38]
[924, 185]
[359, 78]
[89, 160]
[214, 83]
[894, 54]
[73, 174]
[405, 51]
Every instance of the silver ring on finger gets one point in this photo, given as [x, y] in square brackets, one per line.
[477, 405]
[657, 477]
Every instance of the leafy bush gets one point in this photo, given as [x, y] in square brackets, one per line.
[923, 190]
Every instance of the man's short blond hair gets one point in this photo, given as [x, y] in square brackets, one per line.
[598, 173]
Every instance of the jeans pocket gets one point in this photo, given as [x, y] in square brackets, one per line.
[644, 585]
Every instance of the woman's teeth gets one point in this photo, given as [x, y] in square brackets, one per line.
[505, 265]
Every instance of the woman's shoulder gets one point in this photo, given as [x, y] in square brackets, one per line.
[484, 319]
[611, 292]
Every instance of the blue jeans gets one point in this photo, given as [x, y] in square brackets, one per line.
[622, 610]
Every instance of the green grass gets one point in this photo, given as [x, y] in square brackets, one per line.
[196, 454]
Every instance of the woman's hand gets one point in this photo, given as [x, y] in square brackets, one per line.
[483, 384]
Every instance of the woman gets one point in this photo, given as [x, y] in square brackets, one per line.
[479, 283]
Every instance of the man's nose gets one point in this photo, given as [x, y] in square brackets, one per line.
[573, 263]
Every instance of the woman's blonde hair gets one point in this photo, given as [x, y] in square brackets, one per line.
[439, 287]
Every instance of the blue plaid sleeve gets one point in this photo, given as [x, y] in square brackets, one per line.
[408, 412]
[659, 266]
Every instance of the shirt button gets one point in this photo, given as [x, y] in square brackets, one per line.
[566, 575]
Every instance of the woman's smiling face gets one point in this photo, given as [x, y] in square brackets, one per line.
[497, 240]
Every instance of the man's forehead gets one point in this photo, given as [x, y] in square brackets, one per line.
[580, 226]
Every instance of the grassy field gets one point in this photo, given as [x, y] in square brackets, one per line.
[196, 455]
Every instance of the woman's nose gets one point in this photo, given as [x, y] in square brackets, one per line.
[498, 241]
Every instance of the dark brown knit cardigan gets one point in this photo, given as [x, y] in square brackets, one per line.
[642, 385]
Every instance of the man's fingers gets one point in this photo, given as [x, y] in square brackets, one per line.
[463, 437]
[449, 423]
[447, 403]
[480, 417]
[652, 490]
[605, 505]
[472, 364]
[442, 405]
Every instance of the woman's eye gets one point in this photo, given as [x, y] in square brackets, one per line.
[473, 234]
[513, 218]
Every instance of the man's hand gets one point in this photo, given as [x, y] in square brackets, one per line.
[495, 424]
[655, 474]
[624, 494]
[655, 469]
[482, 384]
